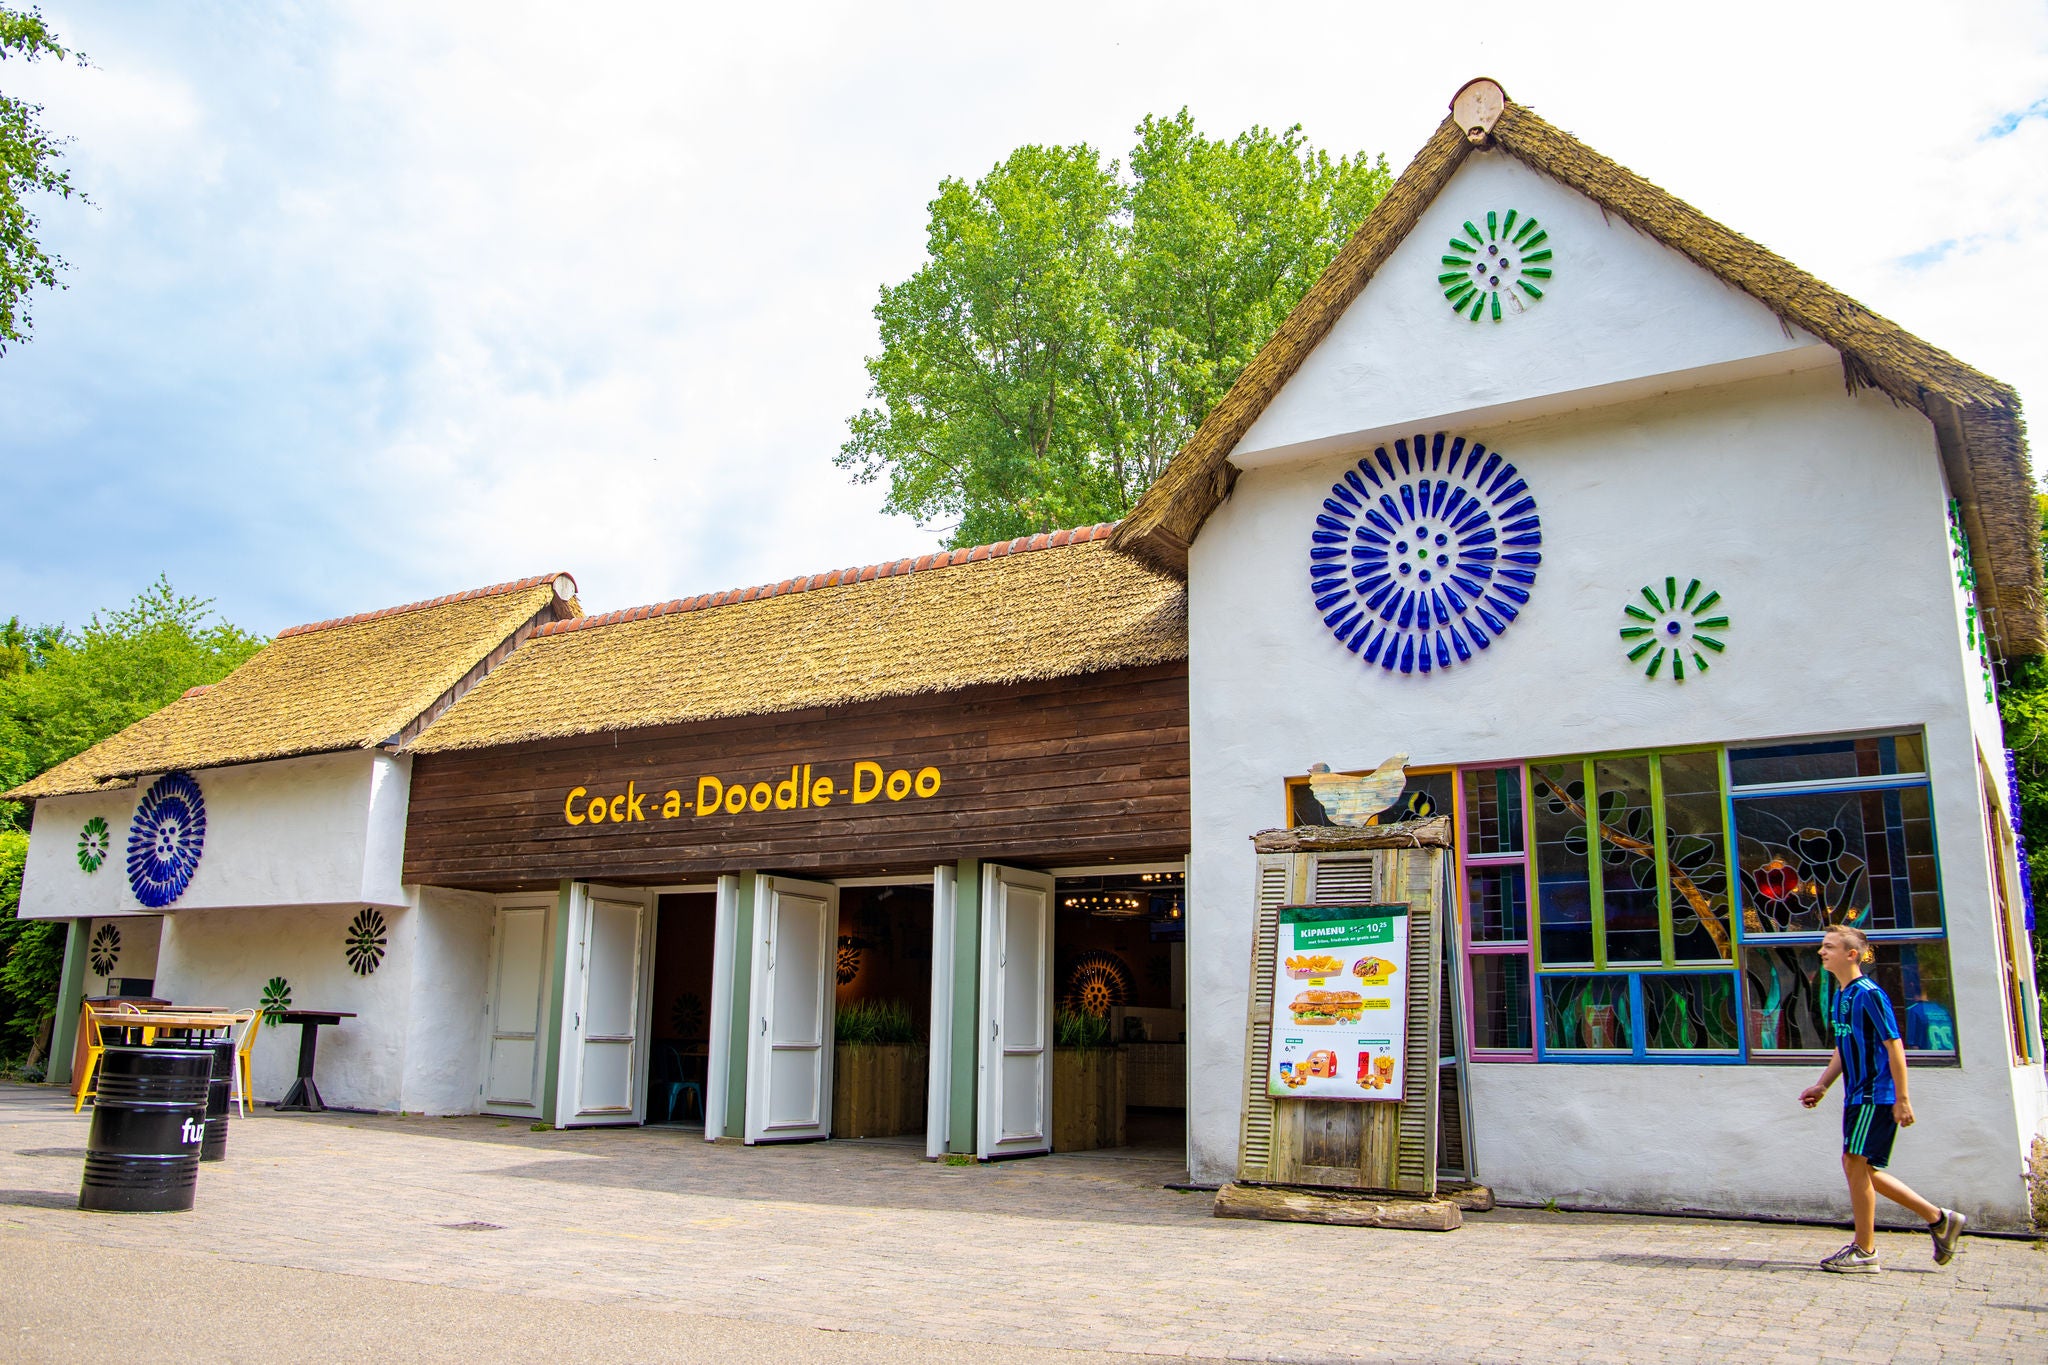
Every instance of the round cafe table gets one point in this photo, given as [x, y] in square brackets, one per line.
[304, 1096]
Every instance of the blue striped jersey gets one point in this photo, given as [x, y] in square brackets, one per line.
[1863, 1020]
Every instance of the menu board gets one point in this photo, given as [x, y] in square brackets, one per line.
[1340, 1003]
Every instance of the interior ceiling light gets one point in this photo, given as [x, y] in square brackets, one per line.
[1108, 904]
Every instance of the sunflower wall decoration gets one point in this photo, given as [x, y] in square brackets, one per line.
[276, 999]
[1097, 980]
[1423, 555]
[165, 840]
[686, 1016]
[364, 943]
[1510, 260]
[848, 962]
[1674, 624]
[106, 950]
[93, 843]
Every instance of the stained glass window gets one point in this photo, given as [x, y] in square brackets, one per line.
[1813, 859]
[1500, 1002]
[1587, 1014]
[1493, 812]
[1788, 994]
[1628, 861]
[1827, 760]
[1668, 905]
[1499, 912]
[1696, 852]
[1689, 1012]
[1564, 887]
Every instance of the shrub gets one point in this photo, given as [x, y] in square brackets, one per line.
[1077, 1028]
[880, 1022]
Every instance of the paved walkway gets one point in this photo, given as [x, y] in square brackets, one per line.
[1026, 1260]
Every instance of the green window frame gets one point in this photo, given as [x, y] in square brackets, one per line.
[1603, 838]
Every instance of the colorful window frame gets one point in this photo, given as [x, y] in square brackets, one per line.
[1686, 1002]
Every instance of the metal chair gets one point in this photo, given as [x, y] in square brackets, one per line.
[238, 1077]
[92, 1018]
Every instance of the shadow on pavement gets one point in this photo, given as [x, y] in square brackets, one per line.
[1647, 1261]
[39, 1199]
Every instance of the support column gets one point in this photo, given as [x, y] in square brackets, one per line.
[70, 999]
[558, 991]
[966, 967]
[732, 968]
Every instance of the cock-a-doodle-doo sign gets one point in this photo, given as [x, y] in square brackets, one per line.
[166, 839]
[1424, 554]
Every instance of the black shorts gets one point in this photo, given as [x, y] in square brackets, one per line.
[1868, 1131]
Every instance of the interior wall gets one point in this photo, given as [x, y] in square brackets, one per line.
[885, 949]
[682, 969]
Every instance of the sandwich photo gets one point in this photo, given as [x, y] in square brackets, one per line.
[1327, 1007]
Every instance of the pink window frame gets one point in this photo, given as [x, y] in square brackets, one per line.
[1465, 860]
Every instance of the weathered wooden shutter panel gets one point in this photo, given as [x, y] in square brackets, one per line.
[1255, 1135]
[1338, 879]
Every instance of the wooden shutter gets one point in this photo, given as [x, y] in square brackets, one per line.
[1338, 879]
[1255, 1134]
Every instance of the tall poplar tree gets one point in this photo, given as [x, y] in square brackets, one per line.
[1075, 319]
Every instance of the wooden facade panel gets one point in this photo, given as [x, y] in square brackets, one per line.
[1062, 771]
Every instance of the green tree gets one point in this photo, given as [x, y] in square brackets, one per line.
[1073, 323]
[2023, 707]
[29, 156]
[31, 956]
[78, 689]
[60, 694]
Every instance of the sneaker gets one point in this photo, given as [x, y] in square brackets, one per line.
[1945, 1231]
[1852, 1260]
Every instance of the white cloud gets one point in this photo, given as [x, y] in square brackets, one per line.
[436, 295]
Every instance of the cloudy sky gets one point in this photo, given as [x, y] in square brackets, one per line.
[380, 301]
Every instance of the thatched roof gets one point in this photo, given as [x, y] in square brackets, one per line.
[345, 684]
[1976, 419]
[1045, 606]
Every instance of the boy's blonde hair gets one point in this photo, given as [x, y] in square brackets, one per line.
[1856, 939]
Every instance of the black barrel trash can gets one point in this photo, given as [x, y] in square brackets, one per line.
[148, 1120]
[214, 1146]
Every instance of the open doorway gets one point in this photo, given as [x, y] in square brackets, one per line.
[681, 1021]
[1119, 1074]
[882, 1011]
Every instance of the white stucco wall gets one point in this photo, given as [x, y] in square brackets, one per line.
[324, 830]
[449, 1016]
[135, 959]
[224, 957]
[1622, 318]
[417, 1038]
[1821, 519]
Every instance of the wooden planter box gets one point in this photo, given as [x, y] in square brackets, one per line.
[1087, 1098]
[878, 1089]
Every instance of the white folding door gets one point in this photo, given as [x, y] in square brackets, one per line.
[1016, 1004]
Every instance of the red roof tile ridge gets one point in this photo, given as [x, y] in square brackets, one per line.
[937, 559]
[495, 590]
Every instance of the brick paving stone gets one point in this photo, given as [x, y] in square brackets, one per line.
[1086, 1251]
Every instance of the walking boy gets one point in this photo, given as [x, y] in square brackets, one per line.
[1872, 1061]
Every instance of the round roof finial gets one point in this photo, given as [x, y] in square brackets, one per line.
[565, 587]
[1476, 106]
